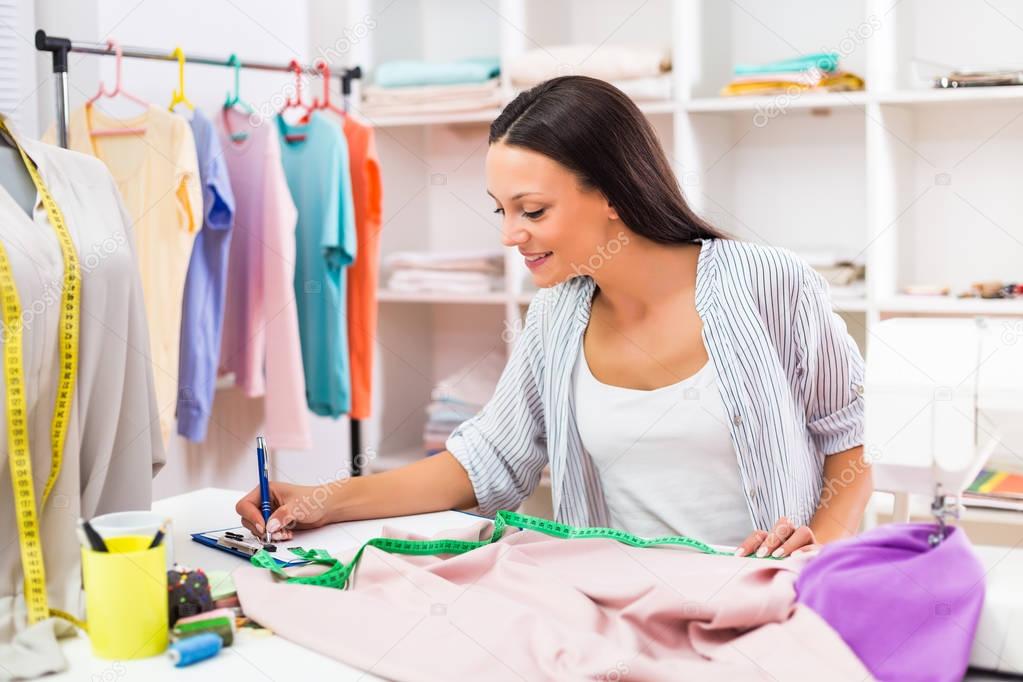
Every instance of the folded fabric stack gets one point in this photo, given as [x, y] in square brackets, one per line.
[452, 272]
[457, 398]
[846, 277]
[405, 87]
[641, 73]
[811, 73]
[443, 417]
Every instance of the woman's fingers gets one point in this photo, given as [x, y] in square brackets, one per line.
[779, 534]
[750, 544]
[801, 538]
[282, 523]
[248, 509]
[782, 540]
[252, 528]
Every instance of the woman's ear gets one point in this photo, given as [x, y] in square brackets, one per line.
[612, 213]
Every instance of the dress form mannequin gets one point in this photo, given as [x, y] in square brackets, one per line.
[14, 178]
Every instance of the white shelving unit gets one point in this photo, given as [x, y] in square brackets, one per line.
[921, 183]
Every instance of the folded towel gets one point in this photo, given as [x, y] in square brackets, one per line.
[454, 276]
[411, 72]
[607, 62]
[473, 385]
[447, 411]
[425, 99]
[823, 61]
[455, 106]
[476, 261]
[652, 88]
[451, 283]
[646, 89]
[375, 94]
[811, 77]
[839, 81]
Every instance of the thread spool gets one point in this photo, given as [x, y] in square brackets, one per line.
[220, 622]
[194, 649]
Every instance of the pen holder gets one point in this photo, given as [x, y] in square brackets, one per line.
[126, 598]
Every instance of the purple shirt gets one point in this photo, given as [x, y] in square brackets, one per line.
[202, 314]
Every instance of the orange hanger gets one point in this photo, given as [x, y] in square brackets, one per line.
[118, 90]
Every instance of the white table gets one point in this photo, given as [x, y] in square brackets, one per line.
[256, 658]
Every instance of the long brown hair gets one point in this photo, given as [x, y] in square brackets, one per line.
[593, 129]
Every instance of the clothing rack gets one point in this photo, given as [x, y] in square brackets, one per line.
[60, 47]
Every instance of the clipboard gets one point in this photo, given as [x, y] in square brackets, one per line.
[210, 539]
[331, 537]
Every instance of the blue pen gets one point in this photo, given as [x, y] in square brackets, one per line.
[263, 458]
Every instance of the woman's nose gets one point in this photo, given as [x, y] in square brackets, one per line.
[513, 235]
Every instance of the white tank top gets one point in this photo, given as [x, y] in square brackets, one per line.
[666, 461]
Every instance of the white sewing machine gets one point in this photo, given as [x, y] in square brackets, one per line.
[941, 396]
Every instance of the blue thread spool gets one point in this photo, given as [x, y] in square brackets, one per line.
[194, 649]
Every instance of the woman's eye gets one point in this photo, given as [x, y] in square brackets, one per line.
[533, 215]
[499, 211]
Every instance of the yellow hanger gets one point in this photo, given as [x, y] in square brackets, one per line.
[179, 96]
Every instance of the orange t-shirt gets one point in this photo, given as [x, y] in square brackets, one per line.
[363, 274]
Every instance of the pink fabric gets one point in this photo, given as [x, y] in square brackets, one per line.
[537, 608]
[260, 343]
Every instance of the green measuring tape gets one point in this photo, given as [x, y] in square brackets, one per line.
[337, 574]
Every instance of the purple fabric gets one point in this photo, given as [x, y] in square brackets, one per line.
[909, 611]
[202, 312]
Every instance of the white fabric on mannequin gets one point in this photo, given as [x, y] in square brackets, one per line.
[113, 445]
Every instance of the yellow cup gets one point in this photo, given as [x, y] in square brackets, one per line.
[126, 598]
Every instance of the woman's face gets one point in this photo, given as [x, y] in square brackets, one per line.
[556, 225]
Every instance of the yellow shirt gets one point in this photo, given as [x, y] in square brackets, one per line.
[157, 173]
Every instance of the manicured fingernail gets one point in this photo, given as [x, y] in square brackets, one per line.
[778, 553]
[739, 552]
[762, 552]
[272, 525]
[259, 530]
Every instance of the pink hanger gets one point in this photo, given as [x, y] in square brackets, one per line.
[325, 103]
[118, 90]
[296, 102]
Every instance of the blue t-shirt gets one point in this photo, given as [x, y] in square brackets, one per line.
[202, 313]
[318, 176]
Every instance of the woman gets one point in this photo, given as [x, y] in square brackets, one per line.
[676, 381]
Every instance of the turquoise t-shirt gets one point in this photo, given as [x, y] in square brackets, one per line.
[320, 183]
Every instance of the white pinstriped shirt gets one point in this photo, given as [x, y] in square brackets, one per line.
[790, 377]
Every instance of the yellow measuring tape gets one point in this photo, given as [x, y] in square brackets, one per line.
[25, 510]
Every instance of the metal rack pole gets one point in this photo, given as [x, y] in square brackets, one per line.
[65, 45]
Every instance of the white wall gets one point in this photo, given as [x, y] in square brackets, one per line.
[18, 35]
[260, 30]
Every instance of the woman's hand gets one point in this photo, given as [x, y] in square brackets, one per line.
[782, 540]
[294, 507]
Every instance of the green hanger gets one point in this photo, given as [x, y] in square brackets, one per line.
[234, 99]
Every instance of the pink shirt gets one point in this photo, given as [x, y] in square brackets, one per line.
[260, 342]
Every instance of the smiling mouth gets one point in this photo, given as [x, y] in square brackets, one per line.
[533, 259]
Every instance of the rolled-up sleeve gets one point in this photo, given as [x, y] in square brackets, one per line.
[503, 448]
[830, 367]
